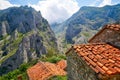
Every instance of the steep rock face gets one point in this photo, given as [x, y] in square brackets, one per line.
[23, 19]
[31, 47]
[84, 23]
[24, 35]
[4, 27]
[91, 18]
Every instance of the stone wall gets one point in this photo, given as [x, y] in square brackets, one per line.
[108, 36]
[77, 68]
[111, 77]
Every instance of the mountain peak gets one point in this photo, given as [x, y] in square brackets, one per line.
[24, 35]
[84, 23]
[23, 18]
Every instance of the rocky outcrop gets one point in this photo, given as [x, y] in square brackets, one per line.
[24, 19]
[24, 35]
[31, 47]
[4, 27]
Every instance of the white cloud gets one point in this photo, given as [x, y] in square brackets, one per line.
[95, 2]
[5, 4]
[105, 2]
[56, 10]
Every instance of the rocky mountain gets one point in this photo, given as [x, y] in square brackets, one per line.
[24, 35]
[84, 23]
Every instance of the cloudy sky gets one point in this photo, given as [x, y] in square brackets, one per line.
[57, 10]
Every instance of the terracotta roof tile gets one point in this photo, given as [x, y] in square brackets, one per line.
[115, 27]
[117, 69]
[95, 69]
[105, 68]
[99, 64]
[109, 72]
[92, 63]
[102, 58]
[91, 56]
[100, 70]
[62, 64]
[44, 70]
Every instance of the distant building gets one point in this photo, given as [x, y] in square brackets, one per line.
[45, 70]
[97, 60]
[109, 34]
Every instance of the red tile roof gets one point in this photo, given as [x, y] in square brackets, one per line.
[102, 58]
[44, 70]
[62, 64]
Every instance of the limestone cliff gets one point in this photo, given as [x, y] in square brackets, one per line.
[24, 35]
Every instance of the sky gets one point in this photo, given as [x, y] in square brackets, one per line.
[57, 10]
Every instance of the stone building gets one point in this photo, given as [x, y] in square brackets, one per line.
[97, 60]
[109, 34]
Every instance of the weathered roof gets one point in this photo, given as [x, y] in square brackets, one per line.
[44, 70]
[114, 27]
[62, 64]
[102, 58]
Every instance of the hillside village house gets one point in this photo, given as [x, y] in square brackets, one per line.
[46, 70]
[97, 60]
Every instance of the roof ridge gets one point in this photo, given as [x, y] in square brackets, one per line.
[89, 44]
[44, 65]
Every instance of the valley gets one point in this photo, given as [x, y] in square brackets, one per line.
[27, 38]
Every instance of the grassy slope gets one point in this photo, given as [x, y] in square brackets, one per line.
[50, 57]
[14, 45]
